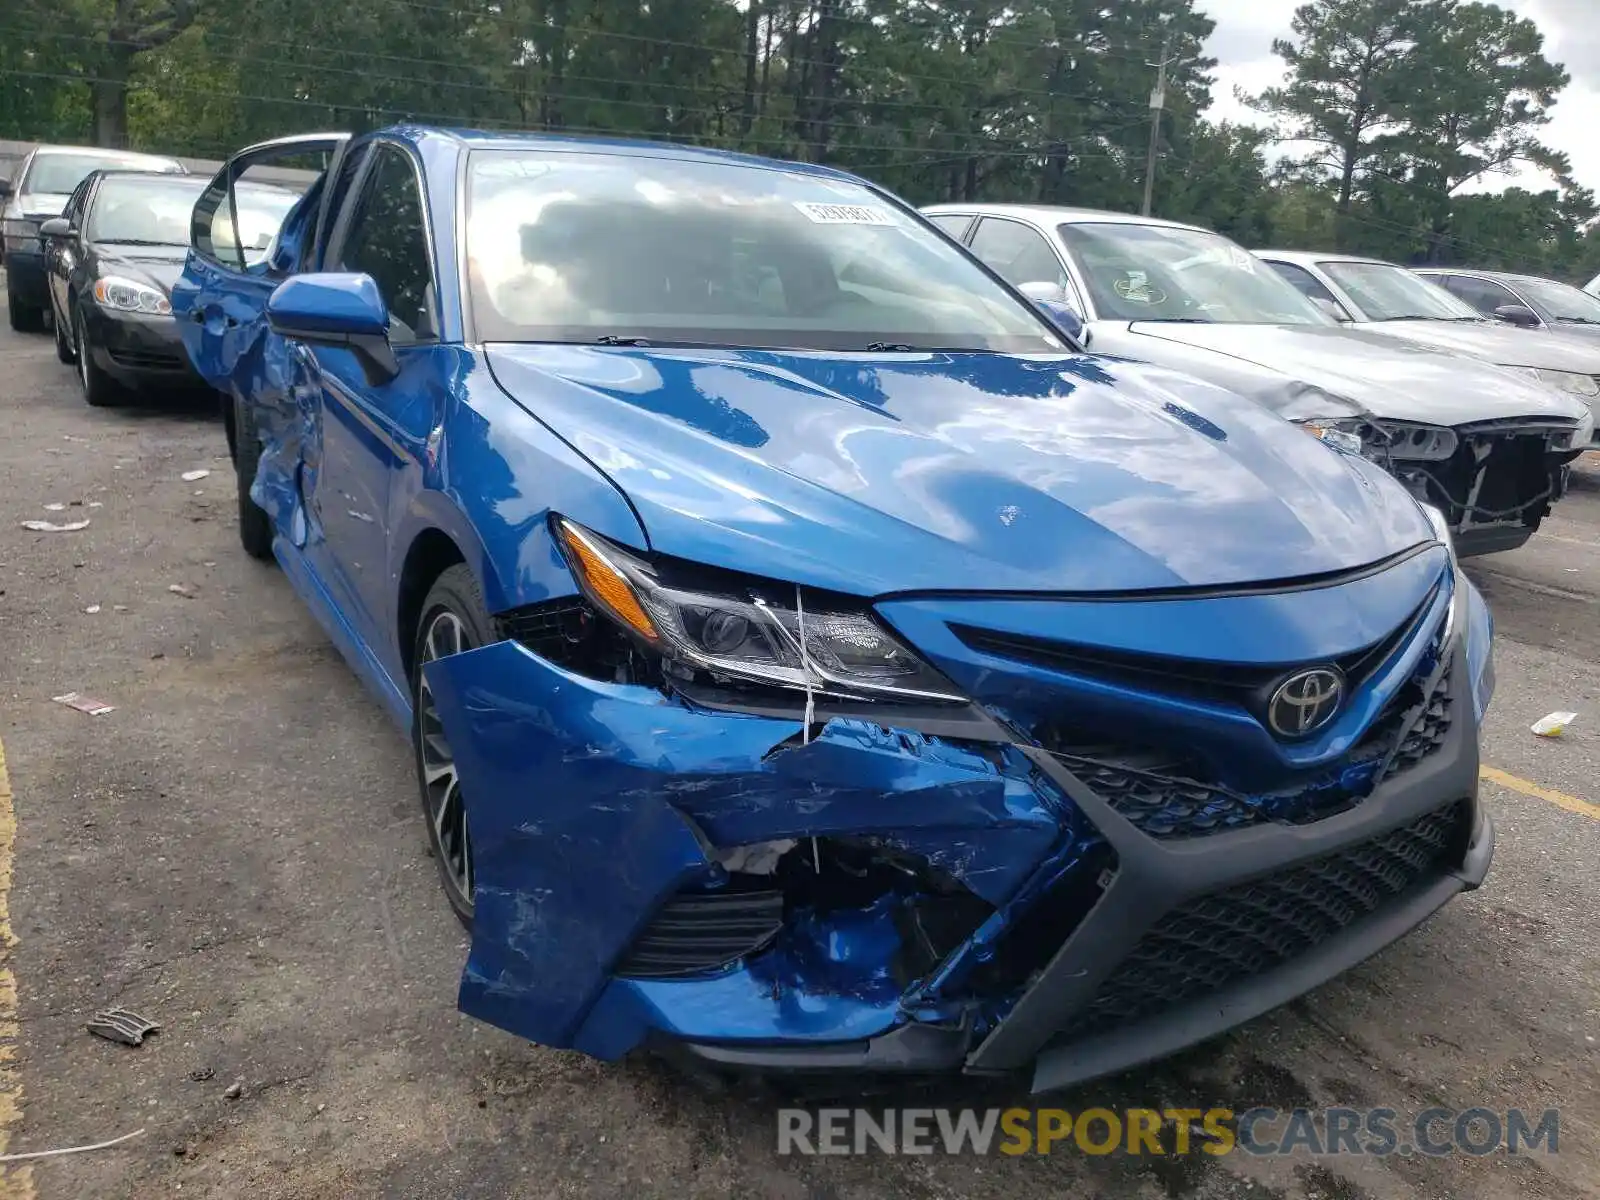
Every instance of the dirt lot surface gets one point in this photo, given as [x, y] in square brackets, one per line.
[236, 853]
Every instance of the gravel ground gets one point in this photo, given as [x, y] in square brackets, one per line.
[236, 852]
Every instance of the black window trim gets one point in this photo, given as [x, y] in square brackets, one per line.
[229, 175]
[369, 149]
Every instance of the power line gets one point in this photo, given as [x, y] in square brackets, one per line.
[979, 151]
[499, 90]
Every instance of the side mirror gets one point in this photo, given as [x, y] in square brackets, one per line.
[1334, 309]
[5, 188]
[1518, 314]
[1065, 318]
[337, 309]
[57, 227]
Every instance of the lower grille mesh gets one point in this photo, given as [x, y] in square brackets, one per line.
[702, 932]
[1243, 931]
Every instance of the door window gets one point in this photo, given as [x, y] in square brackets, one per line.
[1483, 294]
[239, 217]
[1017, 253]
[1309, 285]
[387, 239]
[955, 224]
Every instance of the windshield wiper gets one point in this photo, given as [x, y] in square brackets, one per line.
[1578, 320]
[1175, 320]
[612, 339]
[137, 242]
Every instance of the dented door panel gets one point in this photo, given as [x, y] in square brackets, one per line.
[591, 803]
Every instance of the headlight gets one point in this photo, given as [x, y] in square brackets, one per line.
[1342, 433]
[1584, 433]
[747, 630]
[125, 295]
[1442, 531]
[1570, 382]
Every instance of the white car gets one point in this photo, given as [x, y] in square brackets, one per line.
[1384, 298]
[1487, 445]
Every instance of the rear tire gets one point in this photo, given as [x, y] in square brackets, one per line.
[99, 389]
[255, 526]
[25, 318]
[454, 618]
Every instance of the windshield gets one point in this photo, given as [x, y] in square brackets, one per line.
[568, 247]
[61, 173]
[1561, 302]
[156, 212]
[1159, 273]
[1389, 293]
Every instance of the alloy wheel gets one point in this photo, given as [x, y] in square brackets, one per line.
[446, 635]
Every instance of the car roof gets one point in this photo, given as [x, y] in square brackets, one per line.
[197, 182]
[1049, 214]
[129, 156]
[479, 139]
[1473, 272]
[1317, 256]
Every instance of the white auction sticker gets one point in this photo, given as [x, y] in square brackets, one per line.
[845, 214]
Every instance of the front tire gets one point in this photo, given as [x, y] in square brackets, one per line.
[99, 389]
[255, 526]
[454, 618]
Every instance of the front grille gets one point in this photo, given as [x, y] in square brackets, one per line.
[1164, 798]
[1244, 685]
[1162, 806]
[1241, 932]
[704, 931]
[1430, 732]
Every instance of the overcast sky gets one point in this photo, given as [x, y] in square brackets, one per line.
[1242, 46]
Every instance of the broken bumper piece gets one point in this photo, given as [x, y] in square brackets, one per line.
[887, 899]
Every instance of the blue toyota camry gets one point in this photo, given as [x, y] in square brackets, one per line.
[813, 660]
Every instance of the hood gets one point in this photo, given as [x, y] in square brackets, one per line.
[155, 265]
[1495, 342]
[42, 204]
[959, 472]
[1589, 333]
[1273, 364]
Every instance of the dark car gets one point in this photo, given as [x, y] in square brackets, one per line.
[37, 192]
[113, 255]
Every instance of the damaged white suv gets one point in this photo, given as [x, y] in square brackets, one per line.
[1486, 445]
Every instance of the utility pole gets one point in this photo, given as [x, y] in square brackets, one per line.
[1158, 100]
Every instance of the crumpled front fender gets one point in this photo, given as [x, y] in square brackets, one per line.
[591, 803]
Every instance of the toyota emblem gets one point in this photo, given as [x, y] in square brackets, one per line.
[1305, 702]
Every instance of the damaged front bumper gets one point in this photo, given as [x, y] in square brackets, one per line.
[925, 893]
[1495, 481]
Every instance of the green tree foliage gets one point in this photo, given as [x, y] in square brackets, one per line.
[1403, 102]
[1407, 103]
[1347, 84]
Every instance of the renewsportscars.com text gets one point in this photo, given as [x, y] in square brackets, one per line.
[1373, 1132]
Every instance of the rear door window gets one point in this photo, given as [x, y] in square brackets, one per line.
[1018, 254]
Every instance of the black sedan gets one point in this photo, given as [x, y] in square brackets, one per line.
[111, 258]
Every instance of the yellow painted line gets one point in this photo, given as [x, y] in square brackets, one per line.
[1560, 799]
[16, 1183]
